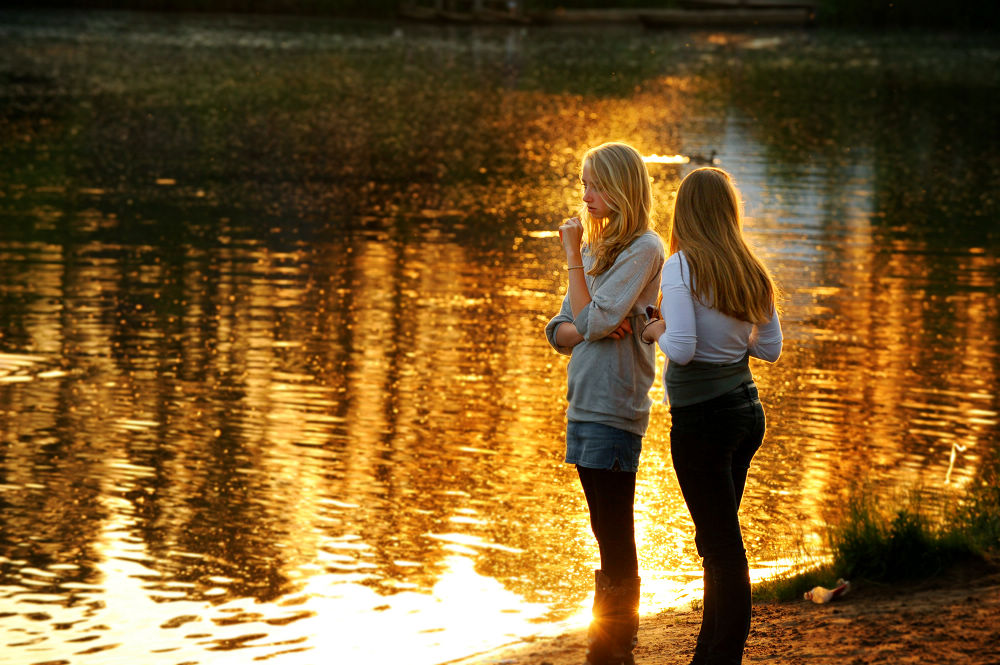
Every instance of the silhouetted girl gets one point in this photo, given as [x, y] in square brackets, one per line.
[614, 260]
[718, 310]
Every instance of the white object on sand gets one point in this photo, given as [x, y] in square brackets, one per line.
[820, 595]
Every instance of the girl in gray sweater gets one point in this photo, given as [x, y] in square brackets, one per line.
[614, 260]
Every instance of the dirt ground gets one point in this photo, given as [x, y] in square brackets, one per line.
[954, 620]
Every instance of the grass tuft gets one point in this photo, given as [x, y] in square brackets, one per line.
[902, 543]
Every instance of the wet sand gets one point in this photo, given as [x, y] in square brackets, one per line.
[953, 620]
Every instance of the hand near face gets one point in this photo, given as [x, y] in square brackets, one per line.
[571, 235]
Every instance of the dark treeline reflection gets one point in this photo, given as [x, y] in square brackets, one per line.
[271, 300]
[896, 134]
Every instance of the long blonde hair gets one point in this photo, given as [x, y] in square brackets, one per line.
[707, 224]
[621, 176]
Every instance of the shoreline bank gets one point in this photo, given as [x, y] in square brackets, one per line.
[777, 15]
[951, 619]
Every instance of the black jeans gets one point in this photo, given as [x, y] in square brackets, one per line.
[610, 496]
[712, 444]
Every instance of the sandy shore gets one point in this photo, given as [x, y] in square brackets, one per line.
[954, 620]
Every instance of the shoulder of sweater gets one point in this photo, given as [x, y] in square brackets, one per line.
[648, 242]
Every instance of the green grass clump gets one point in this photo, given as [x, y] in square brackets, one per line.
[902, 543]
[900, 546]
[978, 515]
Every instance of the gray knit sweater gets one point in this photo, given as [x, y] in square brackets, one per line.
[609, 380]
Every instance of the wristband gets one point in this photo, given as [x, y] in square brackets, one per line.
[642, 332]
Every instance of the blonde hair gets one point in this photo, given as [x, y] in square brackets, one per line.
[621, 176]
[707, 224]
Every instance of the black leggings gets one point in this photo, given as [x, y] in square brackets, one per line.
[610, 495]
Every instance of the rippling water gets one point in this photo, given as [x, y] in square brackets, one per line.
[273, 381]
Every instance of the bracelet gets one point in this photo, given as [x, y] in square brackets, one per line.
[643, 331]
[573, 267]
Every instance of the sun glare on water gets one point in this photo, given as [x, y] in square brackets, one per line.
[666, 159]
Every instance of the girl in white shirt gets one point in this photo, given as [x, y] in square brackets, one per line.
[718, 309]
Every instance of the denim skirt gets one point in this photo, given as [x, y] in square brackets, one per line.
[597, 446]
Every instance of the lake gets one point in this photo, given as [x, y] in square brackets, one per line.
[273, 379]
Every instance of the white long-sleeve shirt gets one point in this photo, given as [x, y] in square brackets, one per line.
[697, 332]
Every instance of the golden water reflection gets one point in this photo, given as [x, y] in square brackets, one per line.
[330, 439]
[313, 440]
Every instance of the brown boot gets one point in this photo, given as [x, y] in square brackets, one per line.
[623, 598]
[612, 635]
[598, 638]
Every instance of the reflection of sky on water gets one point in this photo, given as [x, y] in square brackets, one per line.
[801, 207]
[336, 426]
